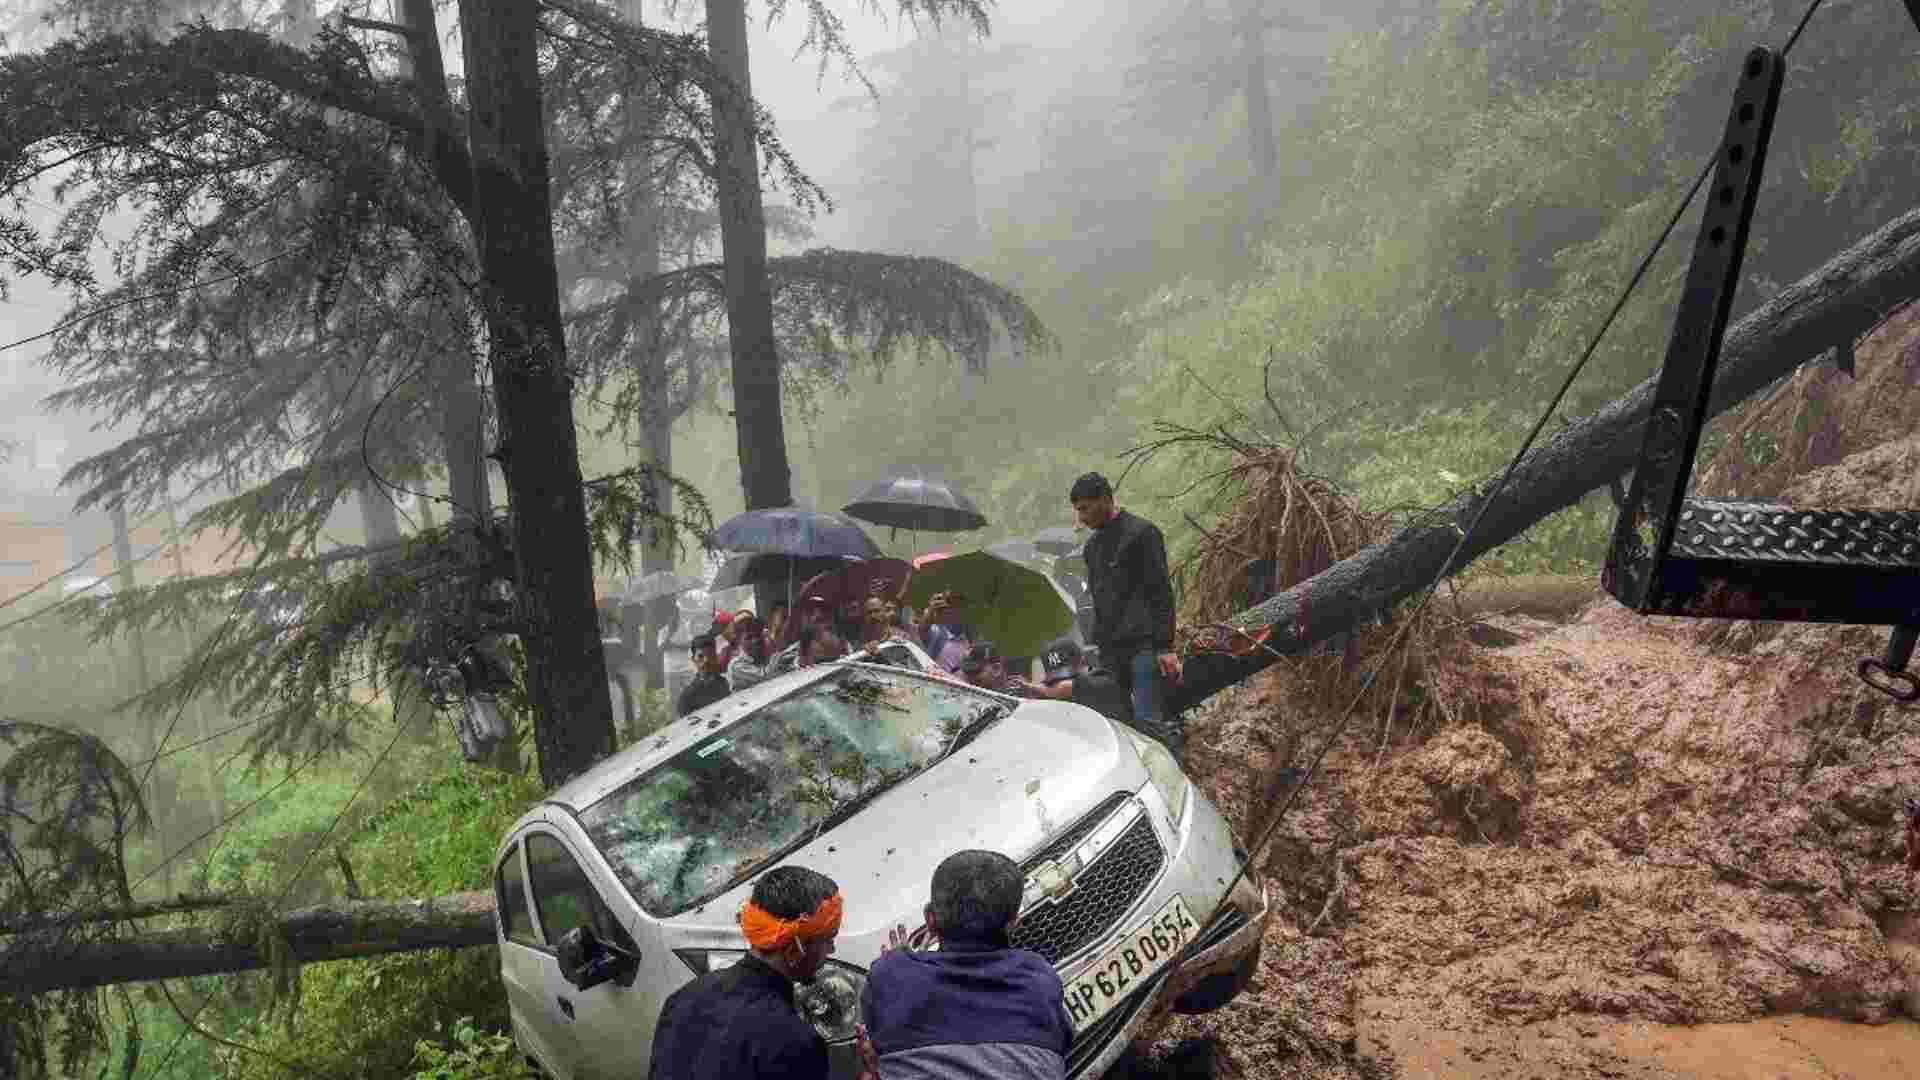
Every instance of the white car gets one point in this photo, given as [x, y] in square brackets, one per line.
[625, 883]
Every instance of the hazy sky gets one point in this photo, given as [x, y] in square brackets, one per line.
[800, 98]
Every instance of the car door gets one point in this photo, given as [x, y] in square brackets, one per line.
[522, 954]
[607, 1030]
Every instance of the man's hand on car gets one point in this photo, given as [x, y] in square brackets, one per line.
[869, 1057]
[897, 938]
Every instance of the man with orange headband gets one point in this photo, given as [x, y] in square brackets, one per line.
[740, 1022]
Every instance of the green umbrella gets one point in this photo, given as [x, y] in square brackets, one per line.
[1016, 607]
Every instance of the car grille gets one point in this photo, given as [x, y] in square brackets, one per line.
[1104, 891]
[1079, 830]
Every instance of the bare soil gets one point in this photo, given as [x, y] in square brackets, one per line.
[1635, 848]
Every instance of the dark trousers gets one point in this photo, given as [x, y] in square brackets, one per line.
[1137, 670]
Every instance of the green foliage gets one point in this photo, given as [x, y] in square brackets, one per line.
[469, 1054]
[364, 1018]
[440, 836]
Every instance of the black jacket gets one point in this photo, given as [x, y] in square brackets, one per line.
[1132, 593]
[738, 1023]
[705, 689]
[1098, 691]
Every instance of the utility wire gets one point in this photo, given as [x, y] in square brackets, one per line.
[78, 594]
[129, 301]
[1373, 673]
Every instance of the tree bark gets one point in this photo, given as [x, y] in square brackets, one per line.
[1253, 61]
[1834, 305]
[645, 230]
[533, 388]
[765, 478]
[39, 962]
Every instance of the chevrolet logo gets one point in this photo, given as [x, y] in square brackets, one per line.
[1053, 881]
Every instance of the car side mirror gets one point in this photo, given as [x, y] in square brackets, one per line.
[586, 961]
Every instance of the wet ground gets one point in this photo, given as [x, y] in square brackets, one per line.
[1776, 1048]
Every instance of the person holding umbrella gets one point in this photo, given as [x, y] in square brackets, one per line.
[944, 634]
[1133, 616]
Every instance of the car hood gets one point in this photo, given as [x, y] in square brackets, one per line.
[1010, 790]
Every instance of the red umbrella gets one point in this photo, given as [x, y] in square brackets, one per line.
[855, 581]
[931, 556]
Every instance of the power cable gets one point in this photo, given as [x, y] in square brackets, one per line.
[1486, 503]
[84, 560]
[78, 594]
[129, 301]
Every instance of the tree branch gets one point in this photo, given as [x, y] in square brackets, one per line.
[39, 962]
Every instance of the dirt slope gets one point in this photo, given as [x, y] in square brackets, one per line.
[1631, 825]
[1626, 841]
[1632, 821]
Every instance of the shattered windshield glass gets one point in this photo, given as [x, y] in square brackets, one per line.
[714, 814]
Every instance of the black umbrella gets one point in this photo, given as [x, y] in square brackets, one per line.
[1058, 540]
[793, 530]
[917, 502]
[774, 571]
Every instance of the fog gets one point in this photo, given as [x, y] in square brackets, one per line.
[1414, 226]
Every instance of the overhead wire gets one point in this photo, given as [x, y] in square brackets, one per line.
[1486, 502]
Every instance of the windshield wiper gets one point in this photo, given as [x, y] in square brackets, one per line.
[847, 809]
[976, 724]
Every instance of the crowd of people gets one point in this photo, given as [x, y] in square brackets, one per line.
[1124, 676]
[977, 1006]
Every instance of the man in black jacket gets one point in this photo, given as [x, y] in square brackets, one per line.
[708, 685]
[1132, 606]
[740, 1023]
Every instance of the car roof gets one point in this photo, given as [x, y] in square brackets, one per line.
[596, 783]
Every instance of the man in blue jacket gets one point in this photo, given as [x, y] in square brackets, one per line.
[978, 1006]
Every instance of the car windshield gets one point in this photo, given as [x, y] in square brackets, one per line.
[713, 815]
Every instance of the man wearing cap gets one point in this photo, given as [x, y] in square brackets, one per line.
[740, 1022]
[1068, 678]
[1132, 596]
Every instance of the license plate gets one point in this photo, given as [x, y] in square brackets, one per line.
[1129, 962]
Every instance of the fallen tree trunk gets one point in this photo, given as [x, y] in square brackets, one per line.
[1833, 306]
[1830, 307]
[38, 962]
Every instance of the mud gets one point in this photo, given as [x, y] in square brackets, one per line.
[1637, 847]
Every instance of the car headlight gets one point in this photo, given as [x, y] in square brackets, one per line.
[830, 1001]
[1165, 773]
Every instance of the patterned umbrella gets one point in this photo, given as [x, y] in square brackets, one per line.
[794, 530]
[916, 502]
